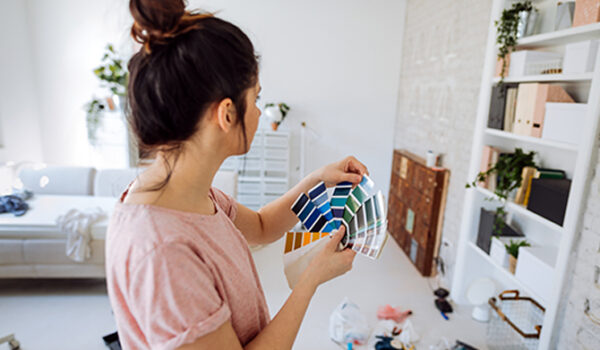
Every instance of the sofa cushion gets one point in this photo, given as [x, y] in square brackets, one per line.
[67, 180]
[40, 220]
[112, 182]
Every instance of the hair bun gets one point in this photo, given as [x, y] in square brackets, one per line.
[155, 22]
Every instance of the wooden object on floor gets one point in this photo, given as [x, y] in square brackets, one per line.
[416, 205]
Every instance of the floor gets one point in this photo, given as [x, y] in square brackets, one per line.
[72, 314]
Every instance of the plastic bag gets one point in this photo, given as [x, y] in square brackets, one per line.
[348, 325]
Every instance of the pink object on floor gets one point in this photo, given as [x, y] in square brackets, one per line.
[387, 312]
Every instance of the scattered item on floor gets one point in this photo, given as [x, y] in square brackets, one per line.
[408, 334]
[478, 294]
[387, 312]
[462, 346]
[441, 303]
[13, 204]
[389, 343]
[516, 322]
[12, 342]
[112, 341]
[387, 328]
[348, 325]
[76, 224]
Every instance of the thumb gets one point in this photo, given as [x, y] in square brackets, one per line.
[336, 238]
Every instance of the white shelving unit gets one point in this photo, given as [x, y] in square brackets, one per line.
[264, 170]
[577, 160]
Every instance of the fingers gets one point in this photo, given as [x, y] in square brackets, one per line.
[354, 166]
[351, 177]
[337, 237]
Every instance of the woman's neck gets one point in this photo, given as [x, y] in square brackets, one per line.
[192, 172]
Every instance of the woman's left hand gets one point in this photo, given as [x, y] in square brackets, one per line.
[348, 169]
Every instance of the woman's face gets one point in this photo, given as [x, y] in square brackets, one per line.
[252, 114]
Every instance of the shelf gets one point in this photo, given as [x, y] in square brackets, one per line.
[531, 140]
[548, 78]
[519, 209]
[561, 37]
[507, 275]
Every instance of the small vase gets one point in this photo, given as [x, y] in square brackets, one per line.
[512, 264]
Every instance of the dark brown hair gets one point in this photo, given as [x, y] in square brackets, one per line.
[188, 61]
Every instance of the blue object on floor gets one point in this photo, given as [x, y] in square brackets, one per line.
[13, 204]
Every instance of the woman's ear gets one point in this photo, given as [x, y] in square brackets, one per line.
[225, 117]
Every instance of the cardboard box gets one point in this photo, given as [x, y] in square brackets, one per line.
[580, 57]
[586, 12]
[564, 122]
[535, 269]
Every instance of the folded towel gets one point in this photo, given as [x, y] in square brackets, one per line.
[13, 204]
[77, 224]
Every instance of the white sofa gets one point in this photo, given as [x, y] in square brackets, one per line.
[32, 246]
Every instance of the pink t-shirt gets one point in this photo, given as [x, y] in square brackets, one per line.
[175, 276]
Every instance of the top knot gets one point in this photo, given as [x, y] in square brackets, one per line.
[156, 22]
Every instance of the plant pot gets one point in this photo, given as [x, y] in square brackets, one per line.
[512, 264]
[527, 25]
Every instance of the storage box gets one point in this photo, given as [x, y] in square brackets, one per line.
[535, 269]
[529, 62]
[548, 198]
[498, 251]
[586, 12]
[580, 57]
[564, 122]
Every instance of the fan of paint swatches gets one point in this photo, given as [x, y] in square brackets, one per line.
[310, 215]
[361, 210]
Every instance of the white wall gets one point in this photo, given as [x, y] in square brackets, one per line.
[335, 63]
[19, 124]
[68, 41]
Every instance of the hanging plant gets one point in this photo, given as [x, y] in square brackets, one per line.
[275, 113]
[506, 36]
[508, 171]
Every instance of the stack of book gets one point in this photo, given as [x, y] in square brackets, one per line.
[520, 108]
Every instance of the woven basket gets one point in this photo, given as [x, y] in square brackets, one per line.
[516, 322]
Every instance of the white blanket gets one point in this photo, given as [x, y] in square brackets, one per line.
[76, 224]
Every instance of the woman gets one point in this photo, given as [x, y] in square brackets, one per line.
[179, 271]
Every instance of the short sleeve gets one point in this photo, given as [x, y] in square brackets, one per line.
[225, 202]
[174, 297]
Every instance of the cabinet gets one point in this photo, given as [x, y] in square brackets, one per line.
[264, 170]
[415, 208]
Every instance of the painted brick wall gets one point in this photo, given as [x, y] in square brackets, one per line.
[575, 330]
[442, 61]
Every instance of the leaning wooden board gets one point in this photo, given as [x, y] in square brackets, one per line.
[416, 208]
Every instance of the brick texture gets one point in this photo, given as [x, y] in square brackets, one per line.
[442, 60]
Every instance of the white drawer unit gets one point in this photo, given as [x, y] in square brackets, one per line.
[264, 170]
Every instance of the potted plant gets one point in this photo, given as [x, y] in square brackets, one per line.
[113, 76]
[508, 170]
[511, 24]
[513, 253]
[275, 113]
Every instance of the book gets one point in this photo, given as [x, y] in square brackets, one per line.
[550, 174]
[586, 12]
[493, 177]
[510, 107]
[527, 174]
[497, 105]
[531, 106]
[485, 164]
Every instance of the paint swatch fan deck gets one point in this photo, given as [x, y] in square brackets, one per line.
[360, 209]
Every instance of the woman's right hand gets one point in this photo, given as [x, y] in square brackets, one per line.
[329, 262]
